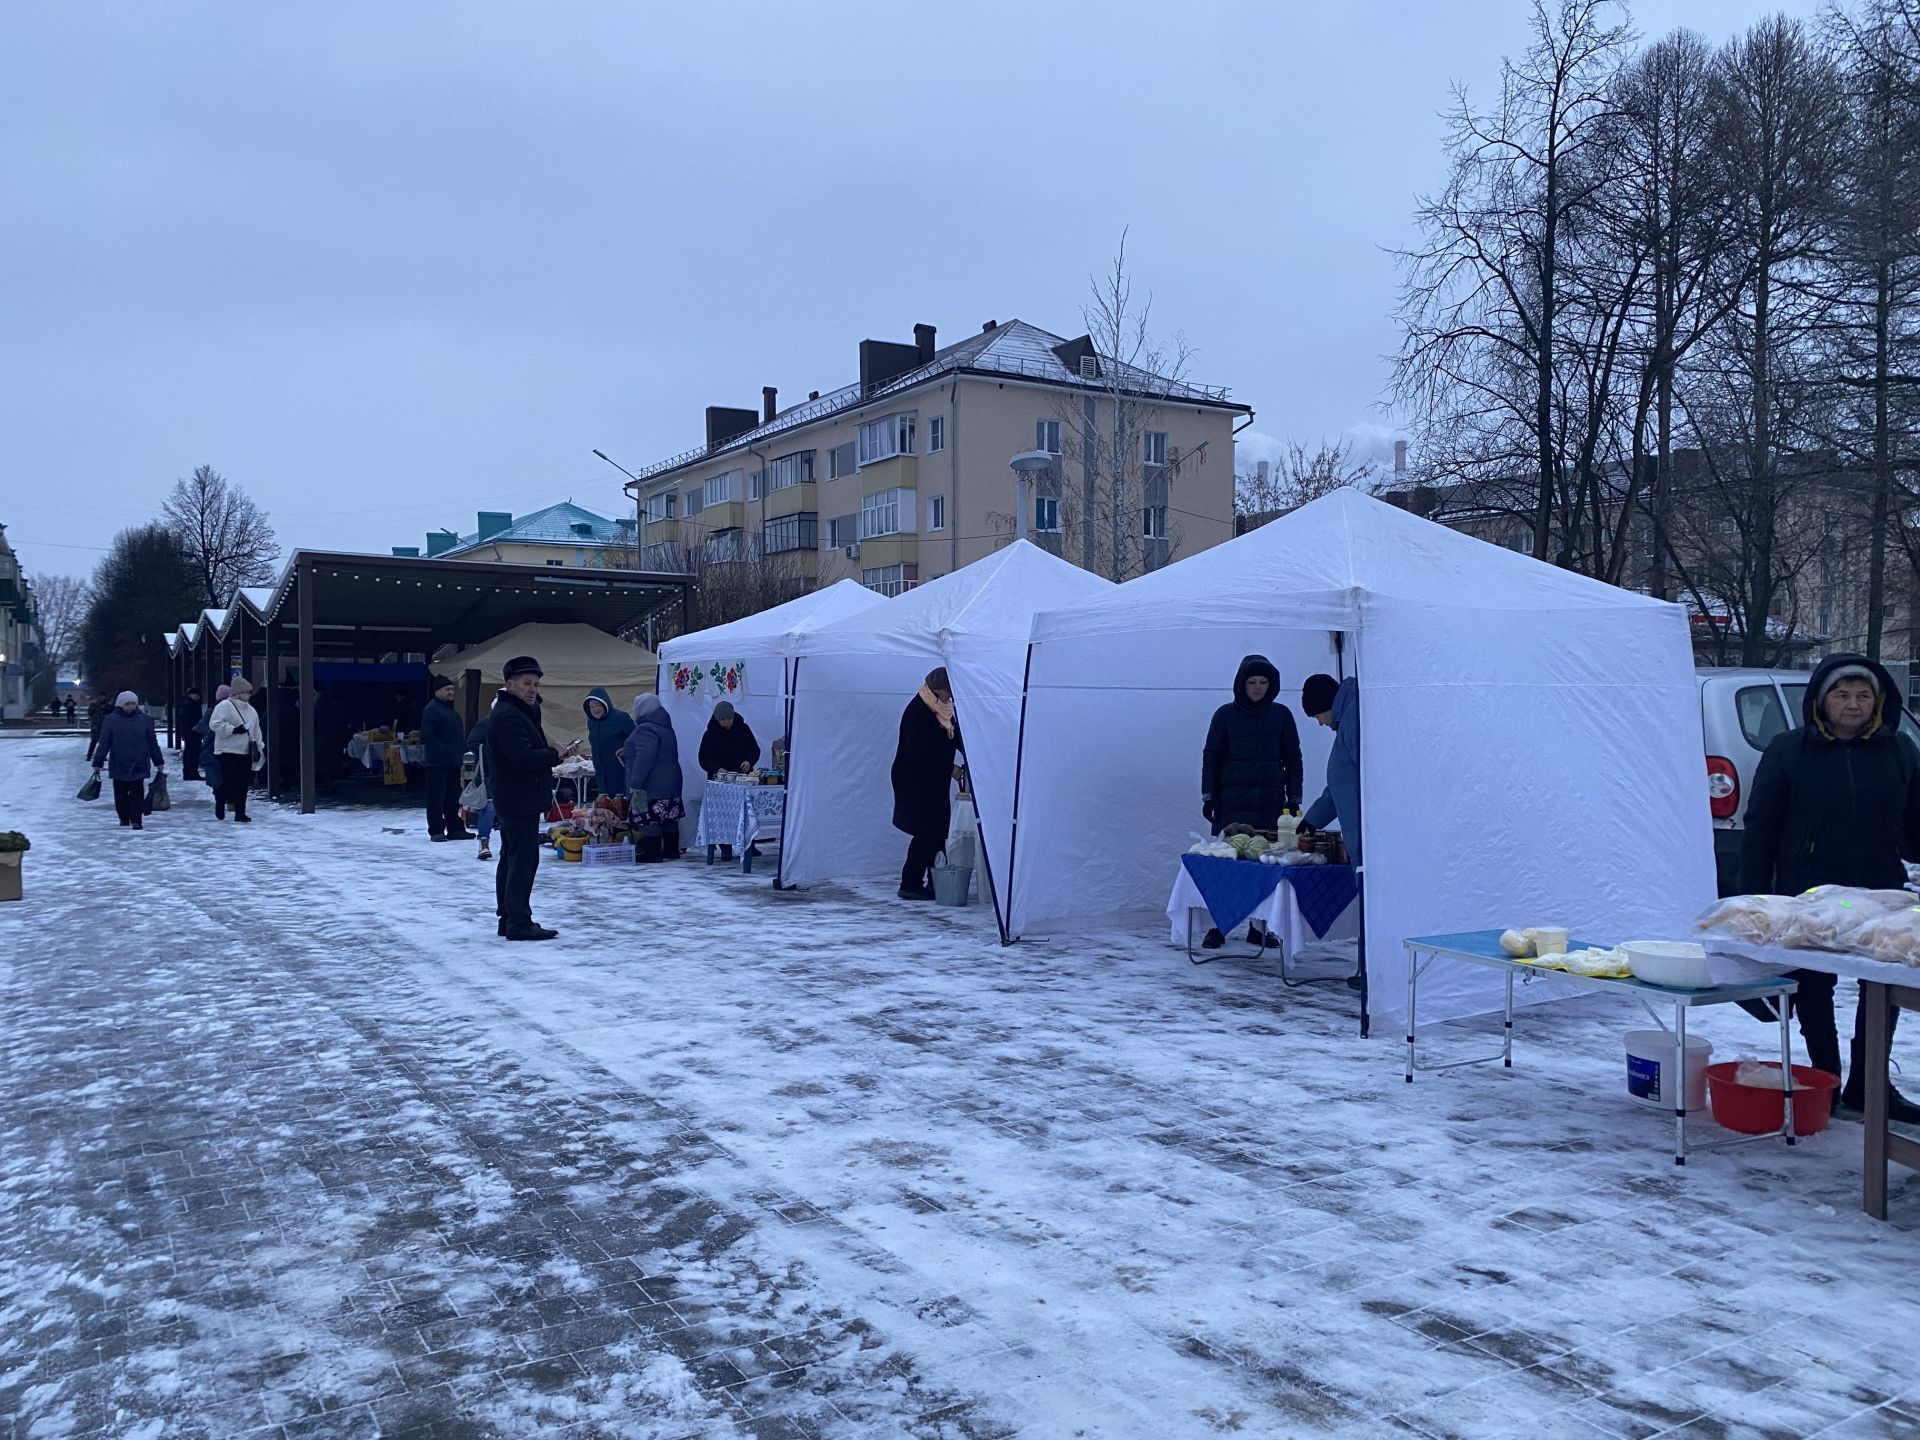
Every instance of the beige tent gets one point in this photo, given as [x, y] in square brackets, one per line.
[573, 659]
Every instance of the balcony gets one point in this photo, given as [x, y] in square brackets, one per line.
[793, 500]
[902, 472]
[730, 515]
[661, 532]
[887, 550]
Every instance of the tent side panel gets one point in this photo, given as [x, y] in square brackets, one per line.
[1520, 770]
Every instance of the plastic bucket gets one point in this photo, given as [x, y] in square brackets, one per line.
[952, 884]
[1760, 1110]
[1650, 1062]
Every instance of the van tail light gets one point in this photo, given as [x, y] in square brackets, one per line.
[1723, 787]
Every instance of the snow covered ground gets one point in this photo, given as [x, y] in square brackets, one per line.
[291, 1145]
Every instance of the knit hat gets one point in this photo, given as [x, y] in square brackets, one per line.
[521, 665]
[126, 697]
[1316, 695]
[1864, 674]
[222, 693]
[439, 683]
[240, 688]
[723, 711]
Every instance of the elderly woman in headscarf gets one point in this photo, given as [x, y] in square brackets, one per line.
[652, 757]
[129, 752]
[923, 776]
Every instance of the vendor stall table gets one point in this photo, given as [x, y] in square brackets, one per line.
[1482, 947]
[1299, 904]
[738, 815]
[373, 753]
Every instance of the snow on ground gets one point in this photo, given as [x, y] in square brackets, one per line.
[290, 1144]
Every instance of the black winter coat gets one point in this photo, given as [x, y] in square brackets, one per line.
[519, 760]
[1832, 812]
[440, 735]
[1250, 767]
[727, 750]
[923, 772]
[186, 715]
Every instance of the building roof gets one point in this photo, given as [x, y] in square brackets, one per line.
[1015, 348]
[551, 526]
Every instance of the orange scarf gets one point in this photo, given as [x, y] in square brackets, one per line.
[942, 710]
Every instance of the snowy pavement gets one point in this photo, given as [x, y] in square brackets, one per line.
[291, 1145]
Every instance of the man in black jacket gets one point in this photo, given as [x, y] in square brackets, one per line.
[1836, 802]
[186, 724]
[520, 775]
[1250, 767]
[442, 736]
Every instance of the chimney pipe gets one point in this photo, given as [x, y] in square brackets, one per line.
[1399, 460]
[989, 327]
[923, 342]
[769, 404]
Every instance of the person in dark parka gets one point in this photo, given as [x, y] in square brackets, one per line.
[520, 776]
[607, 730]
[129, 751]
[1836, 802]
[652, 757]
[442, 737]
[729, 746]
[1250, 765]
[923, 775]
[186, 724]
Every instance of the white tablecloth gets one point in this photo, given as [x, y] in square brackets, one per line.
[1281, 916]
[373, 753]
[1730, 961]
[738, 815]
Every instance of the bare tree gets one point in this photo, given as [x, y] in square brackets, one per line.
[223, 533]
[61, 602]
[1122, 521]
[729, 584]
[1299, 477]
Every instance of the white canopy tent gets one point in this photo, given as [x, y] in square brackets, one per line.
[852, 680]
[1530, 738]
[759, 649]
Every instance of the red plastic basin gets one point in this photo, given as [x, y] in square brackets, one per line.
[1762, 1109]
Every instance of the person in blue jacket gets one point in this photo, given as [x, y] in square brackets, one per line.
[607, 731]
[1336, 705]
[652, 757]
[129, 751]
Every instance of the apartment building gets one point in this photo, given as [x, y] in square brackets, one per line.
[565, 534]
[19, 636]
[905, 474]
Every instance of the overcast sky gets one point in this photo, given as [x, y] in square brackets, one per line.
[387, 264]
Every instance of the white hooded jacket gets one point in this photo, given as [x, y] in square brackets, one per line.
[236, 725]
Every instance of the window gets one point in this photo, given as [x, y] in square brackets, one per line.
[1761, 715]
[791, 532]
[886, 512]
[936, 512]
[790, 470]
[1046, 436]
[1521, 540]
[693, 505]
[757, 485]
[889, 579]
[724, 546]
[1156, 447]
[662, 506]
[561, 563]
[843, 530]
[936, 433]
[1155, 527]
[722, 489]
[1046, 514]
[840, 461]
[884, 439]
[660, 557]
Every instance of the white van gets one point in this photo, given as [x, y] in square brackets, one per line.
[1740, 711]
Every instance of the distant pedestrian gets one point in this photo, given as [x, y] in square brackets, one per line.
[652, 756]
[186, 723]
[923, 776]
[238, 749]
[483, 817]
[520, 765]
[128, 750]
[70, 710]
[607, 730]
[97, 709]
[440, 737]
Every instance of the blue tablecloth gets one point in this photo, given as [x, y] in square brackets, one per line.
[1235, 889]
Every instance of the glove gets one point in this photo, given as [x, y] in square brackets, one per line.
[1209, 811]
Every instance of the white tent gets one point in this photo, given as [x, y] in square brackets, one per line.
[573, 659]
[759, 649]
[852, 681]
[1530, 738]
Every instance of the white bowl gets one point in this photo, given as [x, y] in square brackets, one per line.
[1678, 964]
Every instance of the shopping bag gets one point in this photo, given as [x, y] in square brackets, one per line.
[473, 798]
[90, 787]
[393, 770]
[157, 796]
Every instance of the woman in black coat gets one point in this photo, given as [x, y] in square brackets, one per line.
[923, 776]
[1250, 766]
[729, 746]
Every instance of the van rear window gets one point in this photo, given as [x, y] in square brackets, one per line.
[1761, 714]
